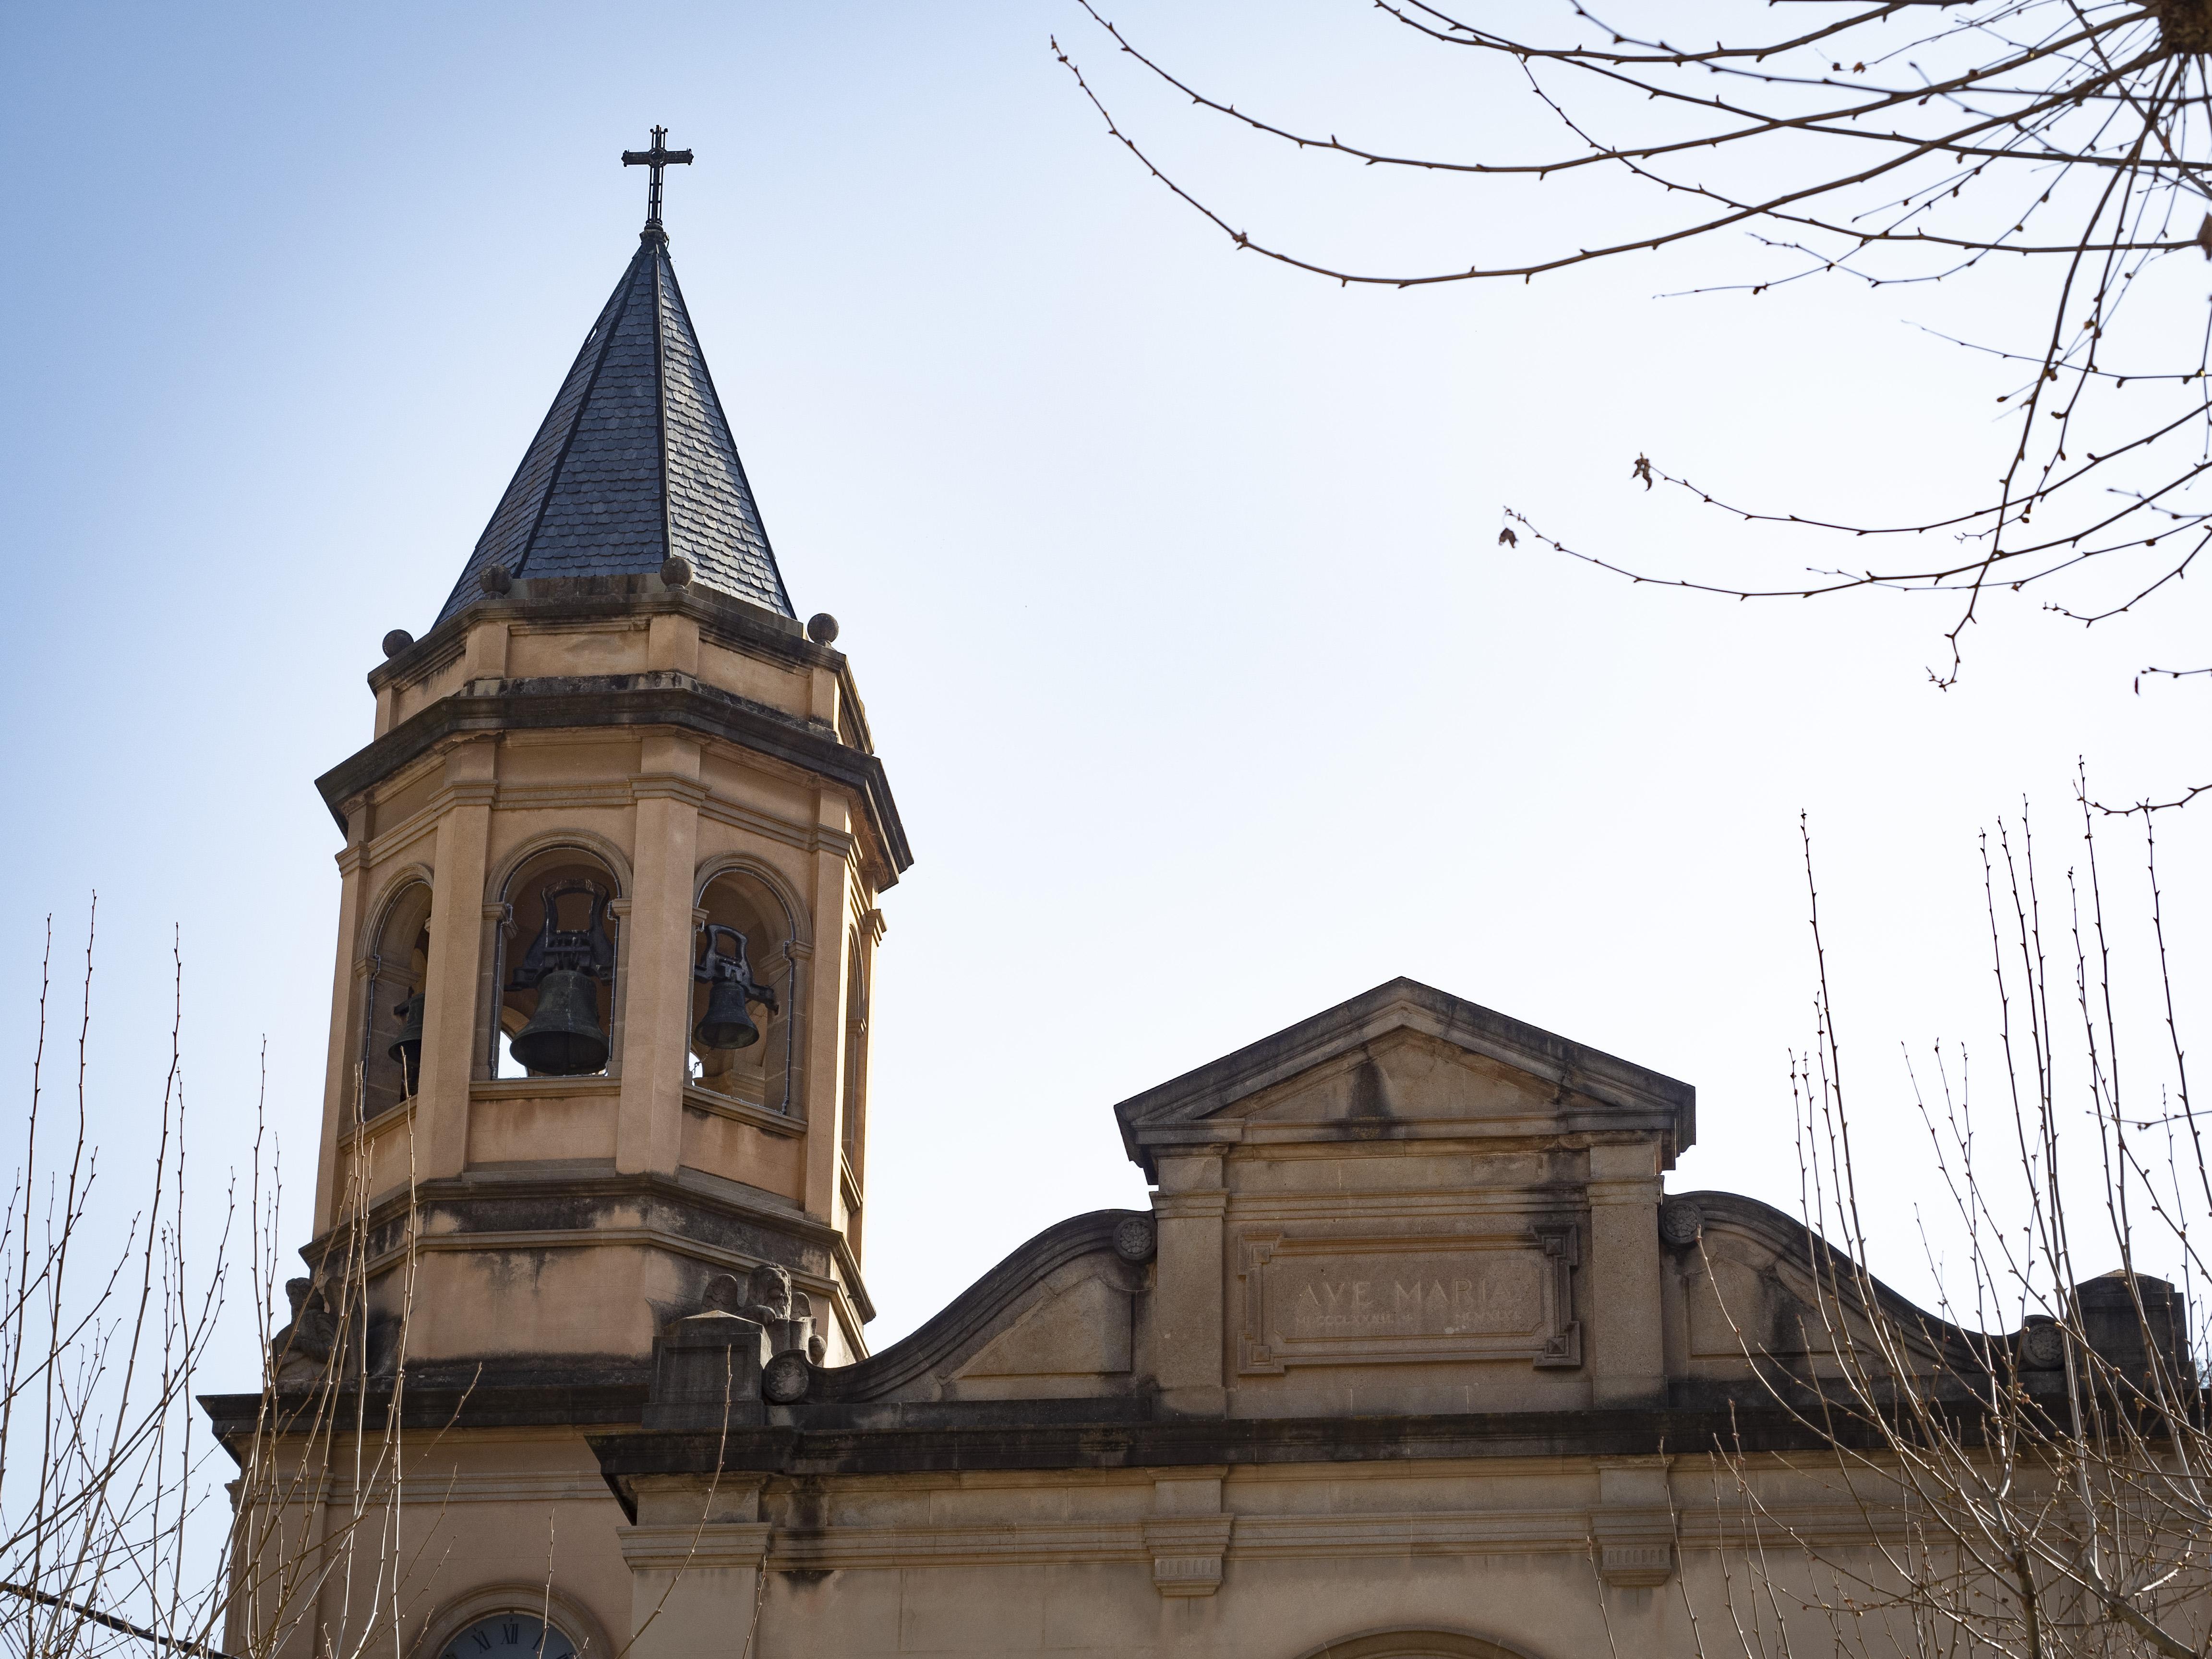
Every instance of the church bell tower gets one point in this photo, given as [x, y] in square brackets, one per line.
[598, 1033]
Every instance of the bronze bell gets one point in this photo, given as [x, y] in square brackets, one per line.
[407, 1046]
[730, 986]
[563, 1038]
[727, 1025]
[566, 965]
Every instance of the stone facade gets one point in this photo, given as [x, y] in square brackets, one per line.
[1410, 1353]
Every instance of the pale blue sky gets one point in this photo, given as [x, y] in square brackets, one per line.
[1170, 579]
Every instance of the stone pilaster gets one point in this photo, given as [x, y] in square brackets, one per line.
[657, 956]
[1190, 1207]
[340, 1107]
[695, 1556]
[1626, 1343]
[457, 888]
[818, 1002]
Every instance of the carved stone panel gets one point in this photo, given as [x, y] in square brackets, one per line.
[1082, 1332]
[1734, 1306]
[1404, 1300]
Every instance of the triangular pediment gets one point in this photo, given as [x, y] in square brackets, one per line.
[1406, 1059]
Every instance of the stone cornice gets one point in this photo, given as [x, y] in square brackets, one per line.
[537, 1397]
[536, 601]
[539, 604]
[1594, 1093]
[696, 1547]
[388, 1219]
[662, 698]
[779, 1124]
[1015, 1435]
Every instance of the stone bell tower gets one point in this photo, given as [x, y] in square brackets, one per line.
[598, 1034]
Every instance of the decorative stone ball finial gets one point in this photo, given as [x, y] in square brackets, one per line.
[396, 641]
[822, 628]
[2042, 1344]
[1134, 1239]
[676, 571]
[494, 579]
[786, 1378]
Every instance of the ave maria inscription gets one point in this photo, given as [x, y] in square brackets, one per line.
[1342, 1301]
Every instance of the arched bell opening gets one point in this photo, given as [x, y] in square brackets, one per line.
[554, 1016]
[392, 1005]
[745, 994]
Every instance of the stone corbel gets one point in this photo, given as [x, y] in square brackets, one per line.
[1187, 1552]
[685, 1523]
[1187, 1533]
[1633, 1527]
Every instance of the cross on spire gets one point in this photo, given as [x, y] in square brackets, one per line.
[658, 157]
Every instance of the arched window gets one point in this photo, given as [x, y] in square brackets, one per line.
[392, 1005]
[1414, 1644]
[554, 1008]
[745, 994]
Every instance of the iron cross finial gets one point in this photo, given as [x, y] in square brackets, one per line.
[658, 157]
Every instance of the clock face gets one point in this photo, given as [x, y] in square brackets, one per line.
[511, 1635]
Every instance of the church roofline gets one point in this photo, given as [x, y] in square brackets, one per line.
[1169, 1112]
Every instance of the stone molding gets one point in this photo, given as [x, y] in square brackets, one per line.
[1638, 1192]
[542, 1088]
[743, 1111]
[1595, 1091]
[1626, 1557]
[625, 601]
[827, 1435]
[655, 787]
[372, 1128]
[445, 1193]
[659, 697]
[464, 1486]
[1205, 1205]
[532, 1239]
[700, 1546]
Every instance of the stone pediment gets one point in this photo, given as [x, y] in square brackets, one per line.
[1406, 1061]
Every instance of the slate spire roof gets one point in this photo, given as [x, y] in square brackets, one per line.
[634, 462]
